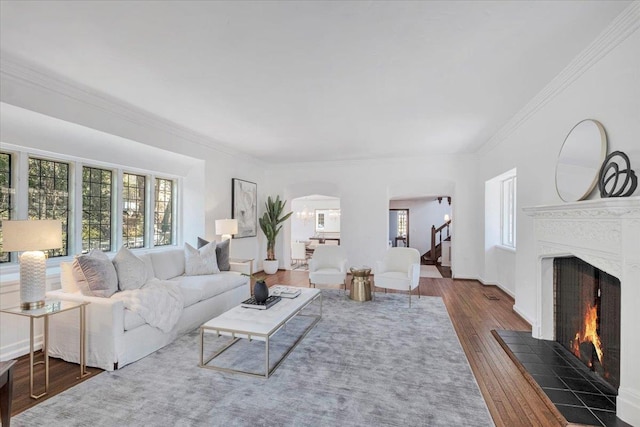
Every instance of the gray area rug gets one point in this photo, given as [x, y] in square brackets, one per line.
[378, 363]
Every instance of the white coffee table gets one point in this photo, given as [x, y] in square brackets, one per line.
[252, 324]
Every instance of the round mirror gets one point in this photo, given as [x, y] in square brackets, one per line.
[581, 156]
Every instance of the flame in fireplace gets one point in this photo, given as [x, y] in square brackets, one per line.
[589, 332]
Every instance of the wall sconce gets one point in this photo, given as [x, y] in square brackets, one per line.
[447, 218]
[31, 238]
[226, 227]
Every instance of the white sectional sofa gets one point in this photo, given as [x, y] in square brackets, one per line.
[117, 336]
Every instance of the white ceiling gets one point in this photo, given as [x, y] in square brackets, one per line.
[312, 81]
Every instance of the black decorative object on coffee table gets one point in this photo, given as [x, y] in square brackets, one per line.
[252, 303]
[260, 291]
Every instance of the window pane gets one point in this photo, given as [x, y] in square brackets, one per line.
[49, 196]
[163, 221]
[402, 223]
[509, 212]
[5, 195]
[96, 209]
[133, 193]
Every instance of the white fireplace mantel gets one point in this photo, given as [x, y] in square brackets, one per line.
[606, 234]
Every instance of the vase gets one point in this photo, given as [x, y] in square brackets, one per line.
[260, 291]
[270, 266]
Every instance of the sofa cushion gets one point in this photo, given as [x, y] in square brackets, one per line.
[148, 266]
[198, 288]
[132, 320]
[131, 271]
[222, 253]
[67, 282]
[200, 261]
[95, 276]
[168, 264]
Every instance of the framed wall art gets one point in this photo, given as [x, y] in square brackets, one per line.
[244, 207]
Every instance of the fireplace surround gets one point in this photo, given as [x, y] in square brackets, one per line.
[606, 234]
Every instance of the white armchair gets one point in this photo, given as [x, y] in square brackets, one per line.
[328, 266]
[400, 270]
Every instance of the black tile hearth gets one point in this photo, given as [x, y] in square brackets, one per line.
[580, 396]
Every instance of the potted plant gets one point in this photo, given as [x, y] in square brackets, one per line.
[271, 224]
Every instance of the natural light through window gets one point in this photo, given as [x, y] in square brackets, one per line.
[49, 195]
[508, 212]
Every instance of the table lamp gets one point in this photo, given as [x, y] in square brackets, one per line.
[226, 227]
[31, 238]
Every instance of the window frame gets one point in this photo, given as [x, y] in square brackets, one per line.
[126, 189]
[10, 201]
[68, 207]
[19, 211]
[508, 212]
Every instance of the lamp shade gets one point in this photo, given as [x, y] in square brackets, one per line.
[31, 235]
[226, 226]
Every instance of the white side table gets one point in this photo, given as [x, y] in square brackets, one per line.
[51, 308]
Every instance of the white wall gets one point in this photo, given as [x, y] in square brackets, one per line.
[364, 189]
[45, 113]
[424, 214]
[302, 230]
[500, 261]
[608, 91]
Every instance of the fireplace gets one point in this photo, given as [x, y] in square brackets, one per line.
[587, 316]
[603, 233]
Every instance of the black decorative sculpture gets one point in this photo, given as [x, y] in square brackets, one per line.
[610, 171]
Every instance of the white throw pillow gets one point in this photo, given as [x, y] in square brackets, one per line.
[67, 282]
[200, 261]
[95, 275]
[132, 273]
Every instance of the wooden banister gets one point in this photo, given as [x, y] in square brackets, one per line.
[438, 231]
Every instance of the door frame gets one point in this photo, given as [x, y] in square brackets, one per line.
[408, 216]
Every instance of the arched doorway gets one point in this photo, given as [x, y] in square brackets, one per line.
[315, 221]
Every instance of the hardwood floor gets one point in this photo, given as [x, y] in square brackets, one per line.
[510, 398]
[62, 375]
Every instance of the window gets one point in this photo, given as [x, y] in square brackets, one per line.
[163, 213]
[402, 223]
[133, 210]
[86, 198]
[49, 196]
[5, 195]
[508, 205]
[96, 209]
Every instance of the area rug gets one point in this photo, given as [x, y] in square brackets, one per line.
[430, 271]
[377, 363]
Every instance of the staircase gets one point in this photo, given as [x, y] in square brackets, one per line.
[431, 257]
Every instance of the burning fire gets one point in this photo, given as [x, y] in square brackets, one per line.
[589, 333]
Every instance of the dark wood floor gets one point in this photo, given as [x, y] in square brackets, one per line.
[510, 398]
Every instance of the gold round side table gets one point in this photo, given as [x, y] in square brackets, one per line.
[360, 283]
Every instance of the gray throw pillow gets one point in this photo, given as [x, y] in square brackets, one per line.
[95, 276]
[200, 261]
[131, 270]
[222, 253]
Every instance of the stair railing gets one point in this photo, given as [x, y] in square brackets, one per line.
[438, 231]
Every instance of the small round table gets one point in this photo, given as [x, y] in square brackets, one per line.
[360, 284]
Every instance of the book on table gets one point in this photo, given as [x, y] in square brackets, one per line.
[252, 303]
[284, 291]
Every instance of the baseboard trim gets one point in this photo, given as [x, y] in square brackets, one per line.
[20, 348]
[628, 405]
[502, 288]
[523, 316]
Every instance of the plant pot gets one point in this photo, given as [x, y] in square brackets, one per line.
[260, 291]
[270, 266]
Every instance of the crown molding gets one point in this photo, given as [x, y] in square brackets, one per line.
[616, 32]
[28, 74]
